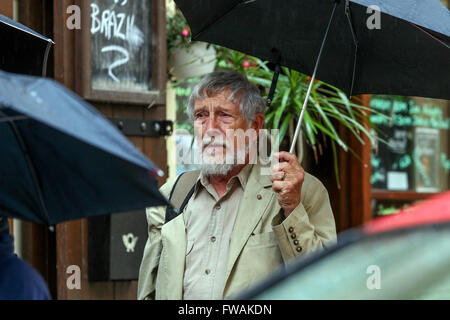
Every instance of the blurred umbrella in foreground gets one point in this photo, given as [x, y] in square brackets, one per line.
[23, 50]
[403, 256]
[61, 159]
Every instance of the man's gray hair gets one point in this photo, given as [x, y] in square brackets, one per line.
[243, 93]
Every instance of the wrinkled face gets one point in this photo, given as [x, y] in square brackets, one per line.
[216, 120]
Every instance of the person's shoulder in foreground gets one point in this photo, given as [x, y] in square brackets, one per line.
[18, 280]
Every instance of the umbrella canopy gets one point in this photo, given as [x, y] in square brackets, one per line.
[61, 159]
[23, 50]
[403, 256]
[408, 55]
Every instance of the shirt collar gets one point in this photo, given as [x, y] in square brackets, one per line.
[242, 177]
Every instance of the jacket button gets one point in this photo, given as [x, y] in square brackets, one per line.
[293, 236]
[218, 207]
[259, 197]
[291, 229]
[213, 239]
[299, 249]
[296, 242]
[207, 271]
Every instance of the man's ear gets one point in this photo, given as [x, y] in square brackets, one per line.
[258, 122]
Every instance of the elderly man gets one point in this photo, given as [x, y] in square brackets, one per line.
[238, 224]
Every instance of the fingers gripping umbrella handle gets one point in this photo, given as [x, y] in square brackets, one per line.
[313, 77]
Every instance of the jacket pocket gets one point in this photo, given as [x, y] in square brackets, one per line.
[265, 239]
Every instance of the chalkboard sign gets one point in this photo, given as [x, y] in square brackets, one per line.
[410, 158]
[119, 51]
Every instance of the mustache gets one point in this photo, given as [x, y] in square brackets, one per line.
[214, 142]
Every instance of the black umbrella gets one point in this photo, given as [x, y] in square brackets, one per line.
[23, 50]
[407, 55]
[61, 159]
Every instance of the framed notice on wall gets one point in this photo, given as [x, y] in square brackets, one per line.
[426, 159]
[120, 47]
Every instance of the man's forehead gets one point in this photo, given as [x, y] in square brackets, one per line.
[219, 99]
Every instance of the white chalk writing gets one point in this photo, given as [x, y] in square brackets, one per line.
[117, 25]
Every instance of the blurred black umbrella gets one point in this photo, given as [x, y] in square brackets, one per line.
[23, 50]
[407, 55]
[61, 159]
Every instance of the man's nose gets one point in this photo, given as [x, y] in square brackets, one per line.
[213, 133]
[211, 123]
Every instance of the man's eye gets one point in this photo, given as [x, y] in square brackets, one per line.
[199, 115]
[223, 114]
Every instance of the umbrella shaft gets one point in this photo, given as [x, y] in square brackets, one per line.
[311, 83]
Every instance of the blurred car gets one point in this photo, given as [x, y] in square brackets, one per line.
[400, 256]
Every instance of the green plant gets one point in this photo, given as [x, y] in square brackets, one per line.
[326, 105]
[178, 31]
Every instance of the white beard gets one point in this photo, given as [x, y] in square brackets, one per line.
[217, 169]
[210, 165]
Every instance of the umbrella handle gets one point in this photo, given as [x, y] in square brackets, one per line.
[313, 77]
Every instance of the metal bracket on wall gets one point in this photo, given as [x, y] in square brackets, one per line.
[143, 128]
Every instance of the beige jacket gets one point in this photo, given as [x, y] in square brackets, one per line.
[261, 240]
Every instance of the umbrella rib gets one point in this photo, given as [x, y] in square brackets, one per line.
[30, 166]
[429, 34]
[355, 41]
[44, 64]
[15, 118]
[273, 85]
[31, 33]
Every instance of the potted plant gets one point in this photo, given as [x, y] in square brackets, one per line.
[186, 58]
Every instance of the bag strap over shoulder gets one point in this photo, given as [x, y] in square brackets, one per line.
[181, 192]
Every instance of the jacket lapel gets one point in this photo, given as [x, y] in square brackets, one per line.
[256, 199]
[174, 242]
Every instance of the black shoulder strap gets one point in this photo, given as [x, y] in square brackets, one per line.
[181, 192]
